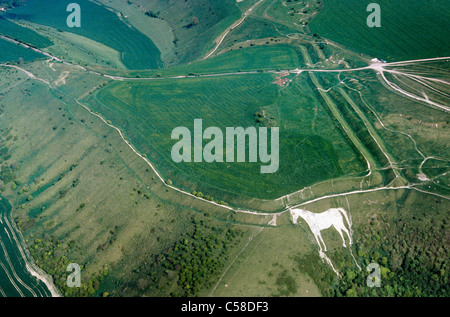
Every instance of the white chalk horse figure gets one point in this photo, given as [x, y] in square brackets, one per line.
[320, 221]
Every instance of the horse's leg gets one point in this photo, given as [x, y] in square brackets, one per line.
[321, 239]
[339, 229]
[318, 242]
[348, 234]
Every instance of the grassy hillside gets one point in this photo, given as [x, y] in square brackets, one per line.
[254, 28]
[23, 34]
[195, 23]
[99, 24]
[157, 29]
[248, 59]
[410, 29]
[81, 194]
[95, 201]
[10, 52]
[310, 150]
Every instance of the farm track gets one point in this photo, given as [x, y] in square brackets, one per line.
[220, 39]
[378, 140]
[338, 116]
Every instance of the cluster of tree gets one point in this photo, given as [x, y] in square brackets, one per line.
[7, 174]
[9, 4]
[54, 256]
[412, 254]
[325, 279]
[193, 23]
[192, 263]
[208, 197]
[286, 284]
[152, 14]
[264, 118]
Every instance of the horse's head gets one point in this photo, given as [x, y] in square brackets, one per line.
[295, 213]
[293, 216]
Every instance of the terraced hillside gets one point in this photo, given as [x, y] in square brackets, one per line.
[86, 121]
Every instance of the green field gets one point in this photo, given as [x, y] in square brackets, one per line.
[19, 33]
[251, 59]
[310, 149]
[10, 52]
[137, 50]
[410, 29]
[281, 57]
[98, 178]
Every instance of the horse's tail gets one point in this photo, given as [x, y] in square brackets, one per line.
[344, 213]
[349, 222]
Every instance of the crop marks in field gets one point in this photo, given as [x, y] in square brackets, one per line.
[216, 149]
[410, 29]
[148, 111]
